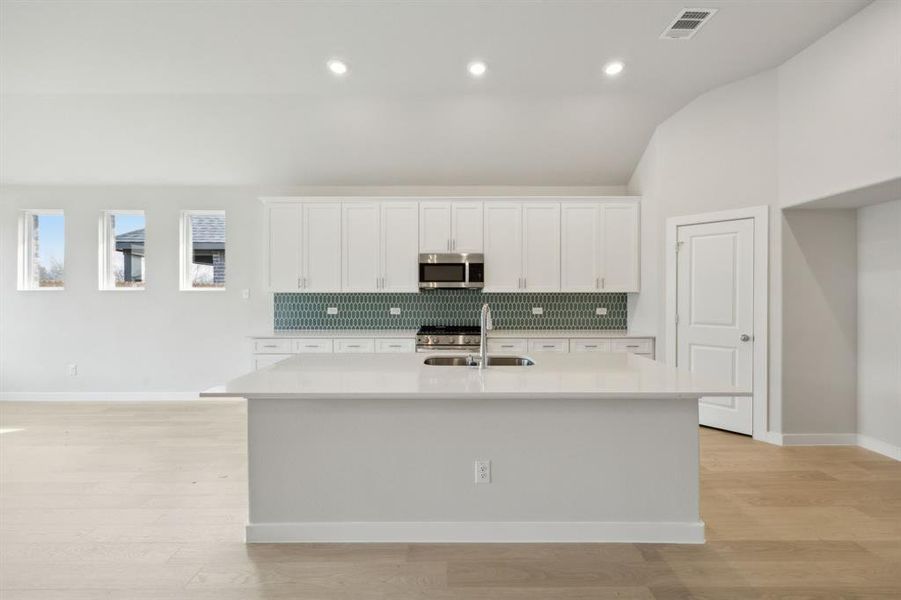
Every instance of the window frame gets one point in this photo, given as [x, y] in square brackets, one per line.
[25, 276]
[186, 249]
[106, 279]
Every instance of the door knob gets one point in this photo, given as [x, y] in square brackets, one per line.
[745, 337]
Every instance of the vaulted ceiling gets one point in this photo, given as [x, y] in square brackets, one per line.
[237, 92]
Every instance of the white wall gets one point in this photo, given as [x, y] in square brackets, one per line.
[840, 108]
[717, 153]
[879, 320]
[819, 316]
[161, 339]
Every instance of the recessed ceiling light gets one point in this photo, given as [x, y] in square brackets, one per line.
[614, 68]
[476, 68]
[338, 67]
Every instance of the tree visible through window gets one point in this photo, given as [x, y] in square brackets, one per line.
[42, 250]
[203, 250]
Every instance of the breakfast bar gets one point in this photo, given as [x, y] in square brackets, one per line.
[549, 447]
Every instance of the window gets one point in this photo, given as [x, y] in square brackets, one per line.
[42, 244]
[202, 250]
[122, 260]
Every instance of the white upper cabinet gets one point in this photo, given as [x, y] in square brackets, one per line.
[284, 272]
[600, 246]
[466, 226]
[434, 227]
[361, 255]
[321, 253]
[522, 246]
[541, 246]
[450, 226]
[399, 256]
[580, 242]
[620, 247]
[503, 246]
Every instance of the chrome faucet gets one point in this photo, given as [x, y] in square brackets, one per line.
[484, 326]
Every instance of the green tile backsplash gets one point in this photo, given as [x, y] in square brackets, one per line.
[448, 307]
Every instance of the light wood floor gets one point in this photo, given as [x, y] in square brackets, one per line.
[147, 501]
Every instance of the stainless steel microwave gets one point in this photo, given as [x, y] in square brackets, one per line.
[460, 270]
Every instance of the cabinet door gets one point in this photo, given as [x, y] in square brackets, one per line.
[503, 246]
[283, 235]
[434, 227]
[466, 226]
[321, 247]
[579, 247]
[360, 256]
[541, 246]
[619, 247]
[400, 259]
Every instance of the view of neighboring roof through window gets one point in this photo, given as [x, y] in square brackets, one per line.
[203, 250]
[122, 246]
[42, 241]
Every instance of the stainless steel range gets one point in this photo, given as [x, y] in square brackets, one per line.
[462, 338]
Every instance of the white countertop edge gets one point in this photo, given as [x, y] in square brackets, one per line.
[218, 392]
[411, 333]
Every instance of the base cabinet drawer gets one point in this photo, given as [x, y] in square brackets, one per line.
[589, 345]
[312, 346]
[261, 361]
[633, 346]
[387, 346]
[272, 346]
[352, 346]
[507, 346]
[548, 345]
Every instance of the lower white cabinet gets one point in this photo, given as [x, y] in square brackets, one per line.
[507, 346]
[587, 345]
[261, 361]
[312, 346]
[548, 345]
[637, 346]
[273, 346]
[386, 346]
[351, 346]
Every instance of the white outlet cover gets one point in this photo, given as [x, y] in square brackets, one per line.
[72, 370]
[483, 471]
[245, 293]
[537, 310]
[600, 311]
[331, 310]
[394, 310]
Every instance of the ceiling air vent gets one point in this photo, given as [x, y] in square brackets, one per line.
[687, 23]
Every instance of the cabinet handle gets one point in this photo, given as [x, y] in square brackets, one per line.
[548, 346]
[591, 345]
[270, 346]
[632, 346]
[524, 283]
[603, 283]
[448, 244]
[394, 346]
[353, 345]
[312, 346]
[506, 345]
[299, 285]
[597, 283]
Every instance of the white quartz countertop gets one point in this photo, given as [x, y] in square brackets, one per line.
[410, 333]
[589, 375]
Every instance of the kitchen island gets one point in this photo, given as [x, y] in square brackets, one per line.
[593, 447]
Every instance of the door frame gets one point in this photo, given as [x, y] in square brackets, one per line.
[761, 218]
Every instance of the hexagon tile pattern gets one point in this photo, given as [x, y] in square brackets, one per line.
[448, 307]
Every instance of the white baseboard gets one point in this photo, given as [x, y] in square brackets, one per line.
[98, 396]
[878, 446]
[478, 532]
[819, 439]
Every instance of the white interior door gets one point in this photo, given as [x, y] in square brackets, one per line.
[434, 227]
[360, 234]
[284, 248]
[400, 260]
[541, 246]
[715, 313]
[322, 247]
[579, 268]
[466, 229]
[503, 246]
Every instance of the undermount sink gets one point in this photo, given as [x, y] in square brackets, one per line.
[472, 361]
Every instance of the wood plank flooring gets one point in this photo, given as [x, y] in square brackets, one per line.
[146, 501]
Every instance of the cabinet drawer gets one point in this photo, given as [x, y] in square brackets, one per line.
[262, 361]
[354, 346]
[633, 346]
[548, 345]
[507, 346]
[395, 346]
[590, 345]
[312, 346]
[271, 346]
